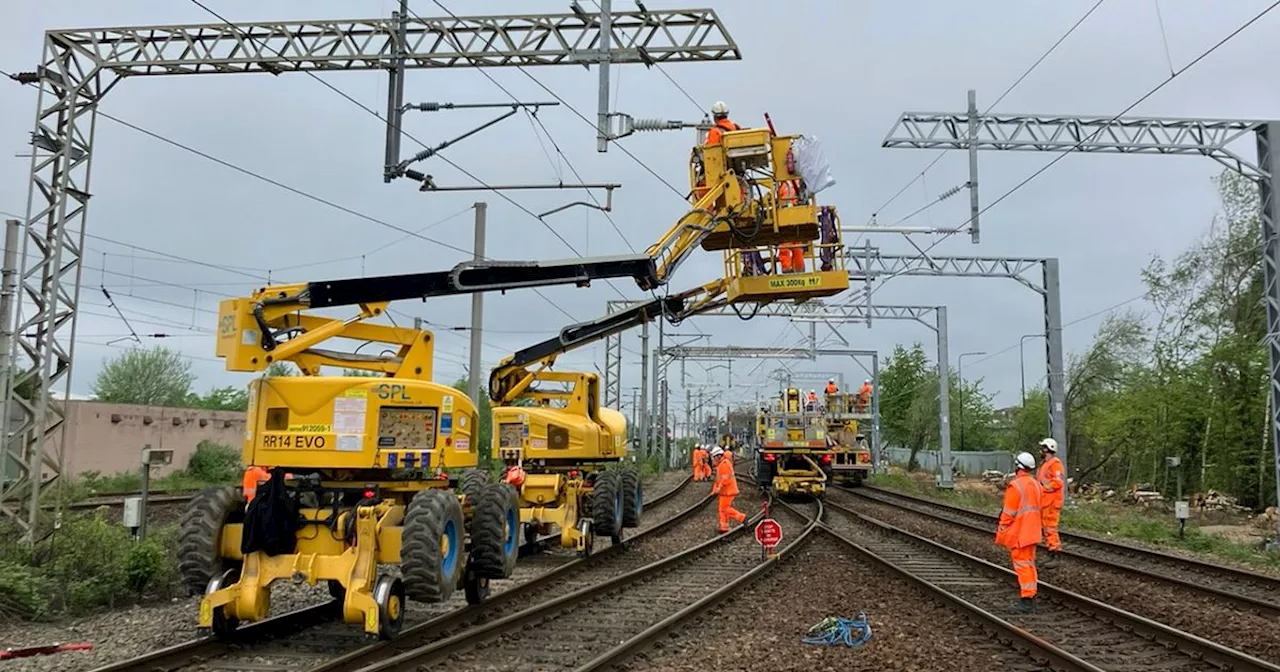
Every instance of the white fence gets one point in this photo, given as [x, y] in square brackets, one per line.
[966, 462]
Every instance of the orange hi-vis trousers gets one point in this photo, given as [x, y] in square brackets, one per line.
[728, 513]
[1049, 521]
[1024, 565]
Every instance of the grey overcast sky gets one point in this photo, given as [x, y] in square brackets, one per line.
[841, 71]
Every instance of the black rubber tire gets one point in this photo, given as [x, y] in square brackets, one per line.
[421, 564]
[198, 536]
[604, 504]
[471, 483]
[492, 557]
[632, 497]
[764, 471]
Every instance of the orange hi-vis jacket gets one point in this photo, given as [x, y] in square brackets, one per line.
[832, 389]
[786, 194]
[717, 132]
[1053, 480]
[726, 484]
[1019, 525]
[252, 476]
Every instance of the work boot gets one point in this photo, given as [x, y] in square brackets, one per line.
[1025, 605]
[1053, 561]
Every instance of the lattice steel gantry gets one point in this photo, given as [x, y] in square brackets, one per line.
[79, 66]
[1132, 135]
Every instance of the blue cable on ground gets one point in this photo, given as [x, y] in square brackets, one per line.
[833, 630]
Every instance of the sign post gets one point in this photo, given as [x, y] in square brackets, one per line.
[768, 534]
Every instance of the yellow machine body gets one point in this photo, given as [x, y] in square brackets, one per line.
[355, 426]
[563, 428]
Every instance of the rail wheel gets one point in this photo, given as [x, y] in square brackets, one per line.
[388, 594]
[606, 505]
[200, 535]
[431, 546]
[632, 497]
[495, 532]
[475, 587]
[223, 624]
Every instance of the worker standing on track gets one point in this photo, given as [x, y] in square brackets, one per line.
[249, 483]
[1053, 483]
[700, 470]
[1019, 530]
[726, 488]
[832, 388]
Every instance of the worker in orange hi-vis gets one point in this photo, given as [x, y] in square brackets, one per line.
[1019, 529]
[720, 117]
[790, 255]
[726, 488]
[864, 395]
[1053, 483]
[252, 477]
[699, 462]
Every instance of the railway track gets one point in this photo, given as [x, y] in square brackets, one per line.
[1069, 631]
[307, 637]
[598, 623]
[1236, 587]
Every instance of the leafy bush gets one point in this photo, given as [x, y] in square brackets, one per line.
[85, 561]
[23, 592]
[214, 463]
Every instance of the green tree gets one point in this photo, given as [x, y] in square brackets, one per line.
[157, 377]
[281, 369]
[221, 399]
[905, 398]
[483, 436]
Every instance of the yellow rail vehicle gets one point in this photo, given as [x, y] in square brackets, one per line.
[365, 471]
[852, 461]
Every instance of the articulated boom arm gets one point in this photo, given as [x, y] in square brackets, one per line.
[513, 376]
[271, 325]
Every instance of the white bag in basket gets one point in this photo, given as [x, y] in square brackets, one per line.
[812, 164]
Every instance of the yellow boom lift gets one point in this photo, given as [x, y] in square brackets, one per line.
[551, 424]
[381, 470]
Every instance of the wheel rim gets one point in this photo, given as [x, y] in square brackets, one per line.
[393, 607]
[449, 548]
[509, 532]
[639, 499]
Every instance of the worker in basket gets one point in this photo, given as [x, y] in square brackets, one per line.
[726, 488]
[1053, 483]
[722, 125]
[811, 401]
[790, 255]
[1019, 529]
[832, 388]
[864, 395]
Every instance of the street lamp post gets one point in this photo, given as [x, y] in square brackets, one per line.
[960, 372]
[1022, 366]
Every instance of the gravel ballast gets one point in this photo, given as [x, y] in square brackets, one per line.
[761, 627]
[1201, 615]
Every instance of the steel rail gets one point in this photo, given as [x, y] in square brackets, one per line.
[1245, 579]
[431, 653]
[665, 625]
[1262, 606]
[1194, 647]
[293, 622]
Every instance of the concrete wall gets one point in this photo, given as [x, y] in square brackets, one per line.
[967, 462]
[108, 438]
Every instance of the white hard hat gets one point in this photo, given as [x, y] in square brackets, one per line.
[831, 380]
[867, 381]
[1025, 461]
[1049, 445]
[719, 108]
[717, 451]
